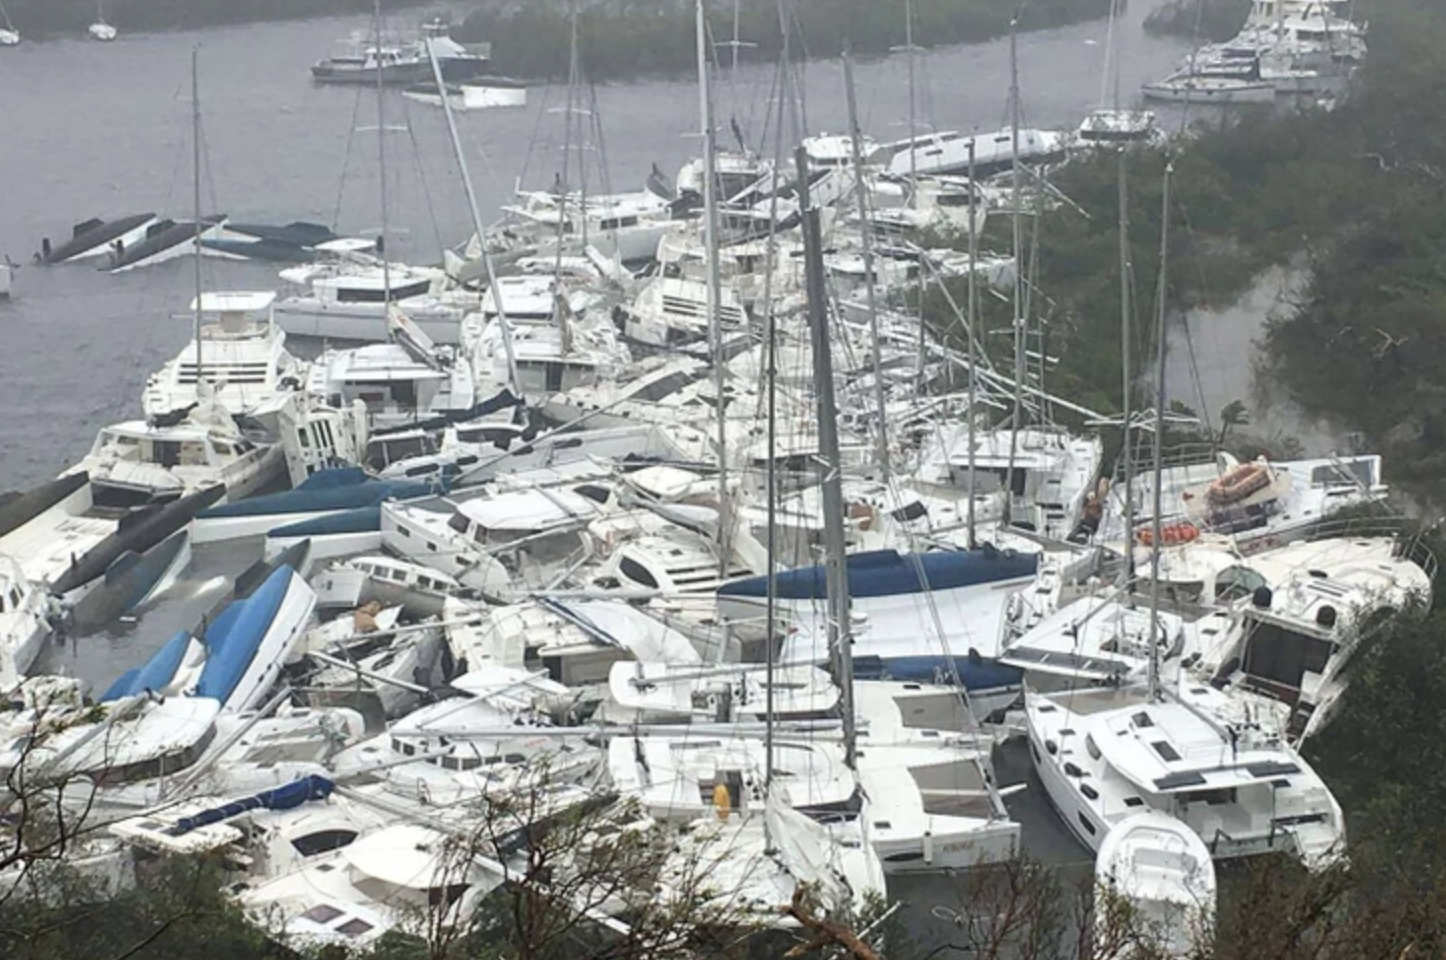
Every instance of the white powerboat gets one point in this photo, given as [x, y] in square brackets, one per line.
[400, 383]
[242, 358]
[24, 622]
[145, 462]
[347, 299]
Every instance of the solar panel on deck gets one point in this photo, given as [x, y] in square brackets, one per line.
[1175, 781]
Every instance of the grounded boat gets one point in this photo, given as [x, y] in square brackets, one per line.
[940, 154]
[143, 462]
[242, 357]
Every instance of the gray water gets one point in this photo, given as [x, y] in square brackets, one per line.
[104, 129]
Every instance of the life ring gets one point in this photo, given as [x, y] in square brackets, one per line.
[1238, 483]
[1172, 535]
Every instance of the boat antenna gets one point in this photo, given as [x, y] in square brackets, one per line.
[382, 169]
[840, 638]
[1126, 374]
[861, 194]
[972, 315]
[475, 212]
[1018, 243]
[196, 198]
[715, 319]
[1160, 347]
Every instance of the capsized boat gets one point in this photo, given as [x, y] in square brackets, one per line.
[164, 240]
[96, 238]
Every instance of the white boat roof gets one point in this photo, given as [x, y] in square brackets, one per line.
[237, 301]
[529, 509]
[403, 855]
[141, 429]
[1166, 747]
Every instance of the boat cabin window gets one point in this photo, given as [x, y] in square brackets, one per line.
[1214, 798]
[665, 386]
[637, 573]
[1280, 657]
[1236, 583]
[323, 840]
[498, 436]
[379, 295]
[1182, 591]
[1091, 748]
[193, 454]
[616, 223]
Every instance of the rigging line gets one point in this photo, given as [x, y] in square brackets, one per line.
[1189, 339]
[422, 175]
[346, 158]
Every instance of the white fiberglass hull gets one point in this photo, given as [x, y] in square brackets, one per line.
[333, 546]
[362, 322]
[1207, 91]
[183, 248]
[474, 96]
[9, 38]
[102, 32]
[7, 274]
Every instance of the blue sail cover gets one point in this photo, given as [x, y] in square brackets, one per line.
[233, 637]
[285, 797]
[336, 493]
[360, 520]
[157, 672]
[888, 573]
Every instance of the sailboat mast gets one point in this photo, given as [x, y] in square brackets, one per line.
[1159, 433]
[861, 194]
[1126, 373]
[771, 347]
[382, 171]
[196, 198]
[475, 212]
[710, 242]
[972, 313]
[1018, 300]
[835, 545]
[563, 187]
[913, 113]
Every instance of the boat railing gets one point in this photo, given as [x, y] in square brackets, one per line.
[1408, 533]
[1187, 454]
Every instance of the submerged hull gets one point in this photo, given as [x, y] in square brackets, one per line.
[97, 238]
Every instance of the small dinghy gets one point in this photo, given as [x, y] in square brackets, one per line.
[1155, 887]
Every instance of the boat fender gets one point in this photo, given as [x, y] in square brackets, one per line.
[722, 801]
[1262, 598]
